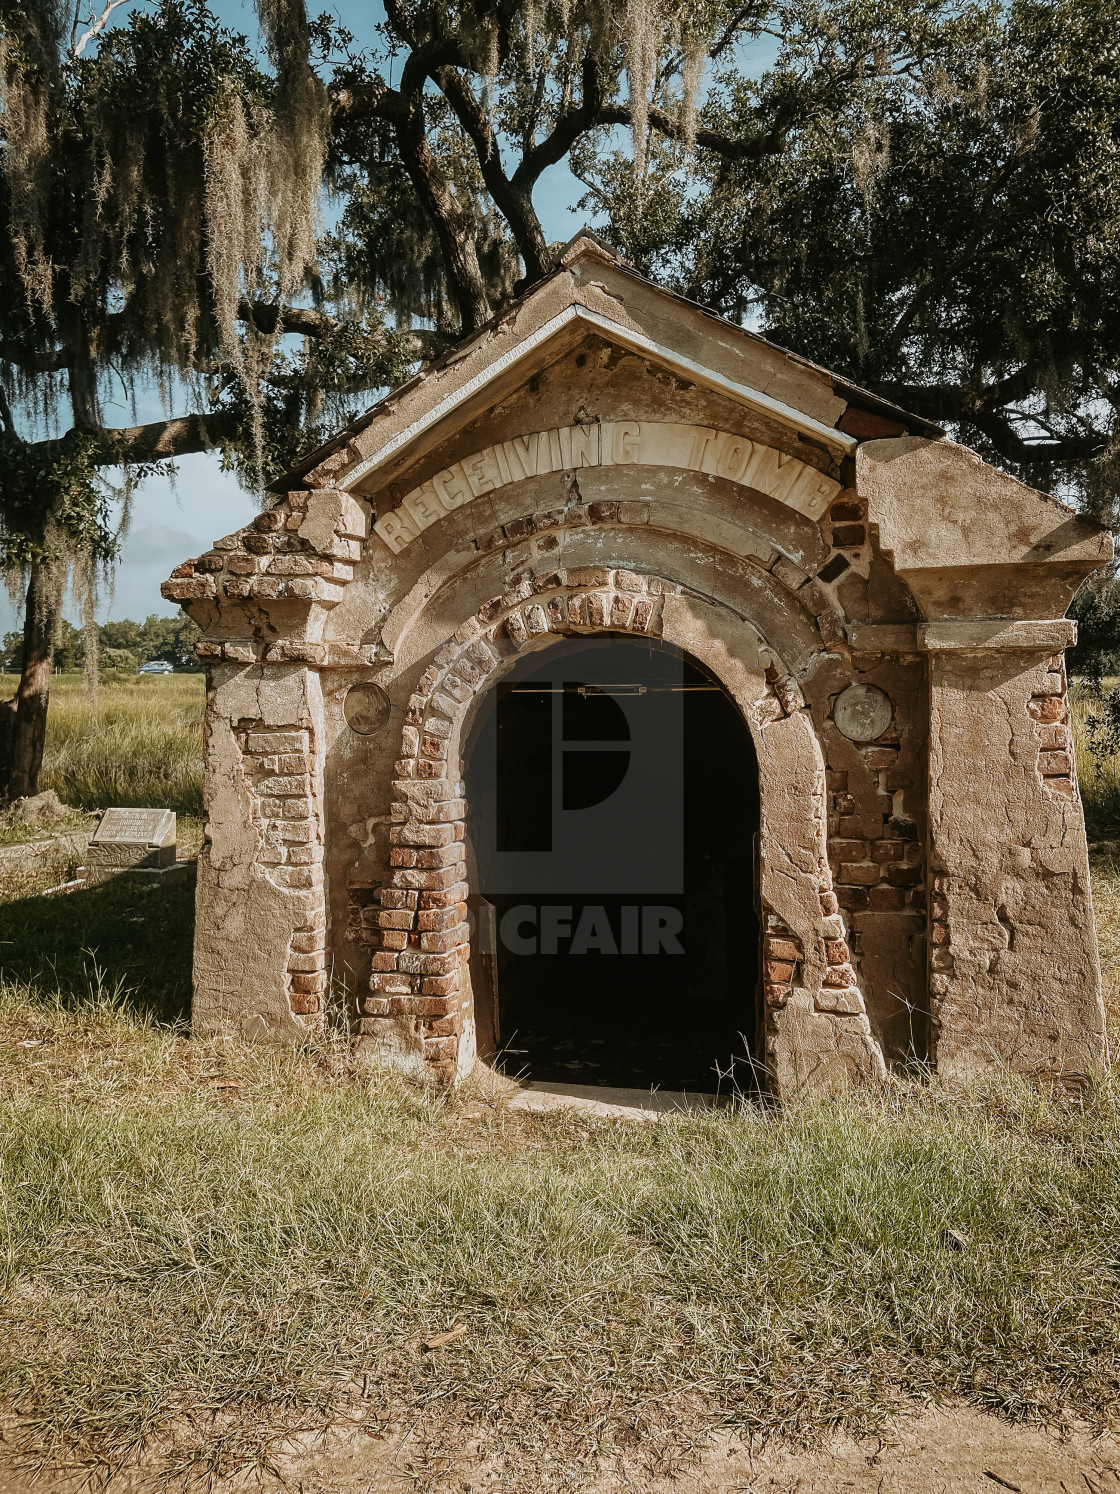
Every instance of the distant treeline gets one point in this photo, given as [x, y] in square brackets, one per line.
[123, 645]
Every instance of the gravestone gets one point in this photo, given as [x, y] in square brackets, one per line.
[131, 840]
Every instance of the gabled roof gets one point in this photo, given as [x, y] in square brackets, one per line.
[591, 290]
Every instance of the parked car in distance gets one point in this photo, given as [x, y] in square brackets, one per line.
[156, 666]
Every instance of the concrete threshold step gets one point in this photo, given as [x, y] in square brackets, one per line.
[620, 1104]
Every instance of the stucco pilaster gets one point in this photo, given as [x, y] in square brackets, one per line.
[260, 928]
[1014, 972]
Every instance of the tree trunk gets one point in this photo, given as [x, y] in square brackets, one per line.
[25, 715]
[454, 228]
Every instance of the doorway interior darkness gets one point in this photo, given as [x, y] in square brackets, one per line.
[613, 814]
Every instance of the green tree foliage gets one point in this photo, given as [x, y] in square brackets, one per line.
[168, 638]
[1097, 610]
[936, 215]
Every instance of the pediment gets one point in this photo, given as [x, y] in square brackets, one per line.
[596, 370]
[741, 386]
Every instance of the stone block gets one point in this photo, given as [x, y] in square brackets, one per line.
[1051, 764]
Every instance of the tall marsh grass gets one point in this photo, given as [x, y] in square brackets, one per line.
[1097, 777]
[140, 745]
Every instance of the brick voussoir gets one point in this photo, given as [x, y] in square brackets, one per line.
[442, 939]
[429, 964]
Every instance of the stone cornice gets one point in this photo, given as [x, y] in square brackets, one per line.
[997, 634]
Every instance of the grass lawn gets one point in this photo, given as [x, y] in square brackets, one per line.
[208, 1243]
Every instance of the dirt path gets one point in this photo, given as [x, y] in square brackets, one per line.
[956, 1451]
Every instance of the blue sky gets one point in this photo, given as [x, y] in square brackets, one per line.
[180, 517]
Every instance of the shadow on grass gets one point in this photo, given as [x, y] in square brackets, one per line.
[126, 939]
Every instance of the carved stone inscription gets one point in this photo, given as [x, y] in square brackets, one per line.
[149, 827]
[611, 444]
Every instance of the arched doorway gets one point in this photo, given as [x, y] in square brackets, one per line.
[613, 814]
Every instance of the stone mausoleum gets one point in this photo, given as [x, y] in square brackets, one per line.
[614, 533]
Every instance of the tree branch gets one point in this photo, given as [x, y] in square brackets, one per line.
[570, 125]
[265, 317]
[513, 199]
[182, 435]
[743, 148]
[1012, 447]
[33, 360]
[6, 412]
[356, 102]
[99, 24]
[940, 402]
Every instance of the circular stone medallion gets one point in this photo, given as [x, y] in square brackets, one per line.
[862, 712]
[367, 709]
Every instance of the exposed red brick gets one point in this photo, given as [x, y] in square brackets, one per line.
[868, 425]
[858, 874]
[778, 972]
[852, 898]
[1051, 764]
[888, 850]
[885, 899]
[1062, 786]
[839, 976]
[304, 1004]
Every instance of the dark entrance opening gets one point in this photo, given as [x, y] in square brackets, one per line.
[613, 815]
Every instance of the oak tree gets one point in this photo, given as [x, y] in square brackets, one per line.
[921, 194]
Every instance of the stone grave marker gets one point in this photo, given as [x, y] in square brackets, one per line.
[131, 840]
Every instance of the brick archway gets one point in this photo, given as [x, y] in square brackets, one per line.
[420, 1002]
